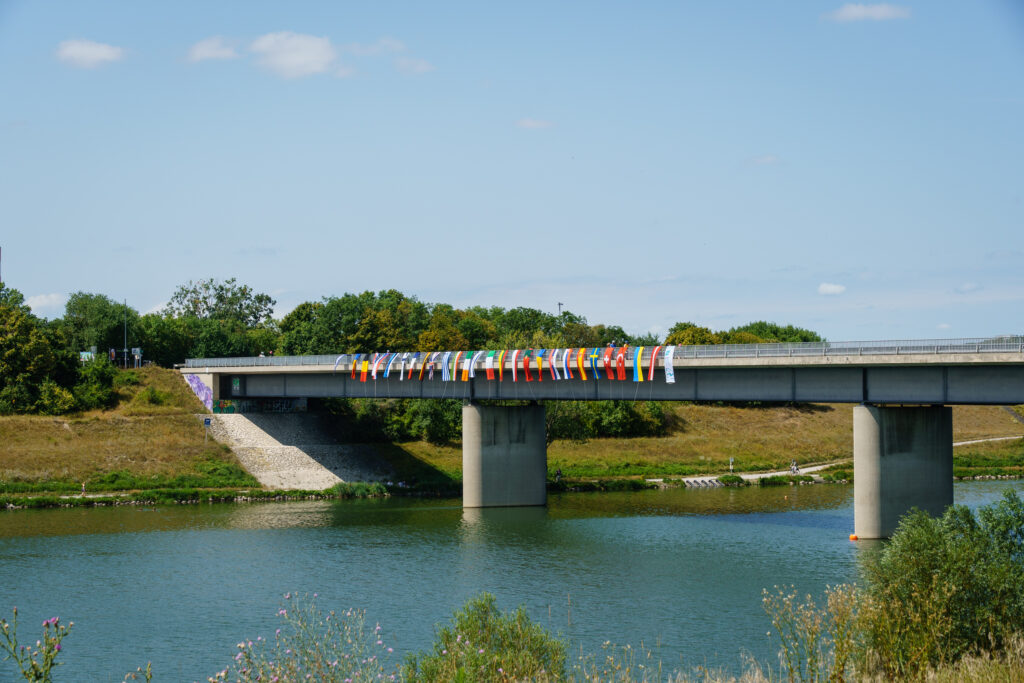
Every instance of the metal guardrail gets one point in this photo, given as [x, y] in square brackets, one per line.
[906, 347]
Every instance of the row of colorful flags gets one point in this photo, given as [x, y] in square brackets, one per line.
[608, 363]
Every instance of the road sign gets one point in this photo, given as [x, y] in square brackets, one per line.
[206, 421]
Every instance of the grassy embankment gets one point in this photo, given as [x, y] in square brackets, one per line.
[151, 447]
[704, 437]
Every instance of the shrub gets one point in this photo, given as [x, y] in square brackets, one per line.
[582, 420]
[54, 399]
[483, 644]
[95, 386]
[732, 480]
[151, 396]
[959, 584]
[126, 378]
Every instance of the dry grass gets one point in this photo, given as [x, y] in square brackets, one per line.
[759, 438]
[166, 439]
[136, 436]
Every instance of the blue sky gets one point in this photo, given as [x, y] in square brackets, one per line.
[851, 168]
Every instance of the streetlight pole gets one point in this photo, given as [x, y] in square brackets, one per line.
[125, 333]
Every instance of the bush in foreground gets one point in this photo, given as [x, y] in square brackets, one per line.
[943, 590]
[483, 644]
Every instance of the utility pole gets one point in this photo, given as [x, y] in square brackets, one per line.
[560, 304]
[126, 333]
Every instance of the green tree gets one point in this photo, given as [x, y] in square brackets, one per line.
[443, 333]
[225, 301]
[12, 298]
[97, 320]
[166, 341]
[691, 334]
[32, 360]
[773, 332]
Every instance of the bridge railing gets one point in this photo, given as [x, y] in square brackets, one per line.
[906, 347]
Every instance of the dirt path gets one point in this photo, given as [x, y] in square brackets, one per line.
[707, 480]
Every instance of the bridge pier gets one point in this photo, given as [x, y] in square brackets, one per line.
[504, 456]
[902, 458]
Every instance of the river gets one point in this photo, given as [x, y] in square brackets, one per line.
[180, 585]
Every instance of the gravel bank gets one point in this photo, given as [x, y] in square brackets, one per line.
[292, 451]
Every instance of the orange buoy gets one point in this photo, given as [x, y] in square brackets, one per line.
[853, 537]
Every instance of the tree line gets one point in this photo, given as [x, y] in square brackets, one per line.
[40, 371]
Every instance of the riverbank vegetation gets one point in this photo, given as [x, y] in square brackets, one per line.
[149, 447]
[942, 601]
[64, 422]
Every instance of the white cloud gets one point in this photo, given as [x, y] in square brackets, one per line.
[830, 289]
[345, 71]
[411, 65]
[968, 287]
[42, 302]
[294, 55]
[214, 47]
[877, 12]
[943, 326]
[86, 54]
[533, 124]
[765, 160]
[382, 46]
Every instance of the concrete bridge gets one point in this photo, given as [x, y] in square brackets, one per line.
[902, 390]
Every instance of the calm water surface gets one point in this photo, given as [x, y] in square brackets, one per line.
[179, 586]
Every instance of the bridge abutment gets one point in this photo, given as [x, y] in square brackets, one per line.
[902, 458]
[504, 456]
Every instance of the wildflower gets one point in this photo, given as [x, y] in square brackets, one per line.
[444, 652]
[278, 632]
[287, 596]
[238, 656]
[480, 651]
[390, 650]
[58, 647]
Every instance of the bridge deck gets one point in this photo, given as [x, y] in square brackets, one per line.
[922, 372]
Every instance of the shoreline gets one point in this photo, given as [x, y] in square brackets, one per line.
[366, 490]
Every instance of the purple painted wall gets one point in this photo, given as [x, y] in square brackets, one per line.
[200, 389]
